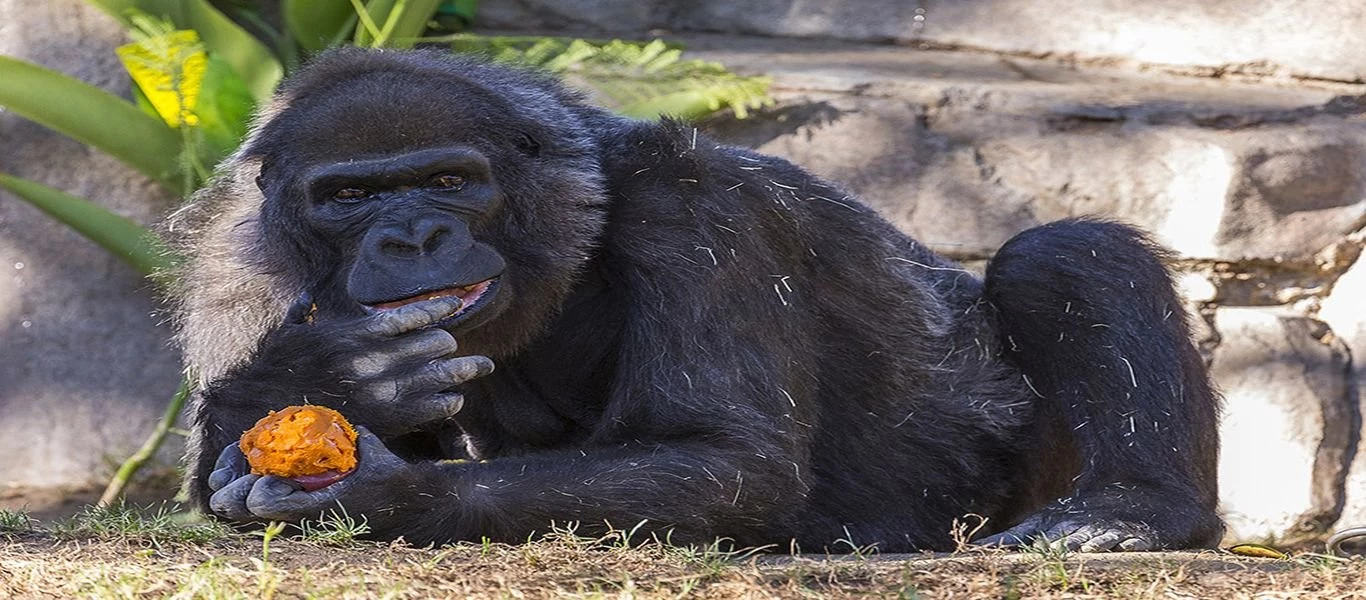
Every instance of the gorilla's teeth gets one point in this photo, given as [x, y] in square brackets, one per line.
[468, 294]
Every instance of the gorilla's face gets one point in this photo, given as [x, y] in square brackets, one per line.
[386, 188]
[413, 226]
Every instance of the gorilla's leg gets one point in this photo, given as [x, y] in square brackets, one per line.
[1089, 315]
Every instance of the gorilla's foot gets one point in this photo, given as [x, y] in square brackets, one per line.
[1121, 518]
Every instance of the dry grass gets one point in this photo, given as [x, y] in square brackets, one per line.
[156, 561]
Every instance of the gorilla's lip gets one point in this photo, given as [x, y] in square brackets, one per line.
[470, 296]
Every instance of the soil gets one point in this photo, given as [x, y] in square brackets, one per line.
[45, 564]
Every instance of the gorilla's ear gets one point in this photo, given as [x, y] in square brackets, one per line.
[528, 144]
[264, 165]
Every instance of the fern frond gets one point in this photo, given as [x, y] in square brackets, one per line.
[645, 80]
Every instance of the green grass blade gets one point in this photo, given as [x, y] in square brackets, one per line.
[315, 23]
[92, 116]
[400, 22]
[119, 235]
[407, 22]
[371, 23]
[248, 56]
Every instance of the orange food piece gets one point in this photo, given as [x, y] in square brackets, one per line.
[300, 440]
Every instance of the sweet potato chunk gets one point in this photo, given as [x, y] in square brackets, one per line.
[300, 441]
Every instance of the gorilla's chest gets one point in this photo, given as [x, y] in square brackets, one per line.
[553, 392]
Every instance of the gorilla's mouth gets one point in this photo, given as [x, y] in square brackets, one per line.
[470, 296]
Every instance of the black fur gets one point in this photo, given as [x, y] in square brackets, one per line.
[699, 336]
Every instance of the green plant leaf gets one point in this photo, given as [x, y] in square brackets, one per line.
[465, 9]
[192, 91]
[702, 99]
[224, 109]
[92, 116]
[248, 57]
[372, 19]
[316, 24]
[455, 15]
[169, 70]
[643, 80]
[400, 22]
[120, 235]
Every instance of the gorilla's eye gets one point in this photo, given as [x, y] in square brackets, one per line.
[350, 195]
[448, 182]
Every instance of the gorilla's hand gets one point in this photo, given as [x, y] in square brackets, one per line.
[366, 492]
[391, 371]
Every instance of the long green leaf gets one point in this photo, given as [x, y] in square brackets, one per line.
[316, 23]
[119, 235]
[408, 21]
[372, 22]
[248, 57]
[92, 116]
[401, 22]
[223, 110]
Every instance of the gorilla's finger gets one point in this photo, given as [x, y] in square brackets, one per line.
[433, 408]
[1136, 544]
[1016, 536]
[1076, 539]
[230, 502]
[280, 499]
[442, 374]
[373, 453]
[418, 347]
[428, 343]
[413, 316]
[231, 465]
[302, 310]
[1006, 539]
[1103, 542]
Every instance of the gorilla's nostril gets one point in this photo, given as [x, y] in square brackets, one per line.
[394, 247]
[434, 239]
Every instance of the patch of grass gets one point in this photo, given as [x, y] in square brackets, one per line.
[91, 557]
[713, 558]
[334, 528]
[846, 543]
[1052, 564]
[15, 520]
[579, 567]
[159, 525]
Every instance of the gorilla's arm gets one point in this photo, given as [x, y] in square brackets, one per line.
[686, 491]
[390, 372]
[711, 448]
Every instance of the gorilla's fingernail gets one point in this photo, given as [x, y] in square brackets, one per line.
[454, 404]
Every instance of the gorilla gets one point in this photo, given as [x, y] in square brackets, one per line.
[540, 312]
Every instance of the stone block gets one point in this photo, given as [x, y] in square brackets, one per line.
[1246, 35]
[963, 152]
[1209, 37]
[630, 19]
[1291, 423]
[1345, 310]
[85, 369]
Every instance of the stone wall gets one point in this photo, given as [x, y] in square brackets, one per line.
[1292, 38]
[85, 370]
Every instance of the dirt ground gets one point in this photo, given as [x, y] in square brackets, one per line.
[125, 559]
